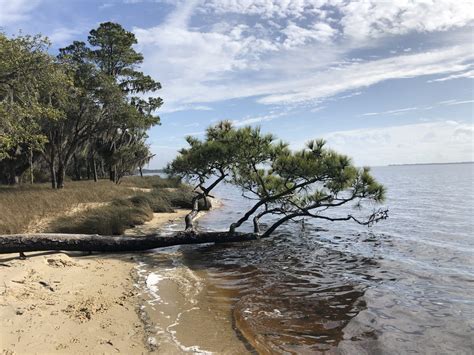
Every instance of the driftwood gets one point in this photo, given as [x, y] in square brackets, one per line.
[19, 243]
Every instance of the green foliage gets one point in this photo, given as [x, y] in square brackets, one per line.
[290, 184]
[89, 103]
[181, 197]
[30, 85]
[113, 48]
[203, 159]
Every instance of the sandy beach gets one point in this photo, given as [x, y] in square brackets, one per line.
[68, 303]
[73, 303]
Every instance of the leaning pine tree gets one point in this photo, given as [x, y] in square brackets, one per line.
[284, 185]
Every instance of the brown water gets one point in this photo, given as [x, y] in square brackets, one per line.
[405, 286]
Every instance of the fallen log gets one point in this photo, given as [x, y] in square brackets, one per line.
[19, 243]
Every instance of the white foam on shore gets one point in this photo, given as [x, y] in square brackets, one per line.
[152, 281]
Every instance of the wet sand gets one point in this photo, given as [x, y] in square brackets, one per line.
[177, 315]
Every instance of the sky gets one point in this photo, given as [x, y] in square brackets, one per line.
[385, 82]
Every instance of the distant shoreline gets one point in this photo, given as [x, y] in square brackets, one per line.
[454, 163]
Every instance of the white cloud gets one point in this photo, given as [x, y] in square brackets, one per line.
[390, 112]
[360, 20]
[12, 11]
[247, 121]
[360, 75]
[372, 19]
[298, 36]
[296, 64]
[64, 35]
[400, 111]
[467, 74]
[456, 102]
[445, 141]
[169, 108]
[263, 8]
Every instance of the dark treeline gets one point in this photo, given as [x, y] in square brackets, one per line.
[82, 114]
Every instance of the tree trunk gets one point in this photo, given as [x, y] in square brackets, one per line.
[77, 170]
[94, 169]
[88, 169]
[189, 219]
[30, 161]
[60, 175]
[277, 224]
[256, 225]
[140, 170]
[112, 173]
[12, 179]
[52, 170]
[16, 243]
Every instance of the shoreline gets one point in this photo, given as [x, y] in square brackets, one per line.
[174, 307]
[133, 303]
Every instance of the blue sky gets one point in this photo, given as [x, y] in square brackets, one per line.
[384, 82]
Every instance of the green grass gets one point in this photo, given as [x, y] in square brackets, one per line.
[22, 206]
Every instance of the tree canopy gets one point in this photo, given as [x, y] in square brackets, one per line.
[284, 184]
[84, 112]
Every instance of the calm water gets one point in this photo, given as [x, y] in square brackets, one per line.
[403, 286]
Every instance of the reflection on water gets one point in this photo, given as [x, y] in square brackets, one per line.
[405, 286]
